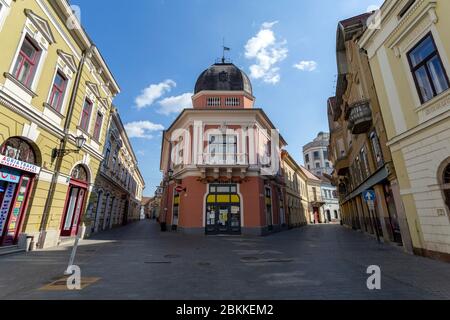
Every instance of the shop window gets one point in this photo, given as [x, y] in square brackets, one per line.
[19, 149]
[27, 61]
[176, 209]
[80, 173]
[426, 65]
[58, 91]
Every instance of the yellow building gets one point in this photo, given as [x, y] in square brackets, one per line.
[408, 45]
[55, 99]
[297, 206]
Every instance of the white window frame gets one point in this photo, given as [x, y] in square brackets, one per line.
[89, 96]
[36, 37]
[228, 160]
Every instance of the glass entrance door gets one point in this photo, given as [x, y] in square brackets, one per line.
[223, 210]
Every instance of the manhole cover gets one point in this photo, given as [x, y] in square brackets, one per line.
[157, 262]
[249, 258]
[171, 256]
[204, 264]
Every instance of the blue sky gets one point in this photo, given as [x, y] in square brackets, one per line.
[157, 48]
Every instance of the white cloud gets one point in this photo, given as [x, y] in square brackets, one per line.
[142, 129]
[267, 51]
[153, 92]
[175, 104]
[306, 65]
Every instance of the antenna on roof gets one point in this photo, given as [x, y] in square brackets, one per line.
[225, 48]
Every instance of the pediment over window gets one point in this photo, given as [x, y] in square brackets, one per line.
[94, 88]
[41, 24]
[104, 102]
[68, 59]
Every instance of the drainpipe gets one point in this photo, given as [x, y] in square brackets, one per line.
[62, 145]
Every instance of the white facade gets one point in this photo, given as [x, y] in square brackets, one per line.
[315, 155]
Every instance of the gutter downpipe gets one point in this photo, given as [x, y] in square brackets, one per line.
[63, 144]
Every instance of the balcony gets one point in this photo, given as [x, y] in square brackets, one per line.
[224, 159]
[360, 117]
[342, 165]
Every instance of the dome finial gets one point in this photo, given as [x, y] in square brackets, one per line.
[225, 48]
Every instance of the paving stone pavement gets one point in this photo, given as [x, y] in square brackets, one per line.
[314, 262]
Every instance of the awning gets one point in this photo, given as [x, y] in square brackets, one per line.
[381, 175]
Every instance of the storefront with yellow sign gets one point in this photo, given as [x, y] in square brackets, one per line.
[223, 210]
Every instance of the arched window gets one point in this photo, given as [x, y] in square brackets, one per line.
[80, 173]
[19, 149]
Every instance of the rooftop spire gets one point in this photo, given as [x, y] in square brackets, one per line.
[225, 48]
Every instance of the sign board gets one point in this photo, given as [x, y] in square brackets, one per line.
[179, 189]
[369, 195]
[9, 175]
[20, 165]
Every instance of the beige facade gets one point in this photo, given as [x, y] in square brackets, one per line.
[409, 58]
[297, 205]
[119, 185]
[358, 148]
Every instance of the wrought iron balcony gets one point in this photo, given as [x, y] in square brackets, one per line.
[360, 117]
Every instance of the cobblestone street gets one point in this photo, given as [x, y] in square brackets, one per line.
[315, 262]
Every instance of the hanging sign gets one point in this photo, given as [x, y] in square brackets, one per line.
[9, 175]
[6, 205]
[17, 164]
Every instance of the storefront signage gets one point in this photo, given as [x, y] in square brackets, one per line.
[9, 175]
[17, 164]
[6, 205]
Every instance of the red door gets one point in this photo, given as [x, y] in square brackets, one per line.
[74, 208]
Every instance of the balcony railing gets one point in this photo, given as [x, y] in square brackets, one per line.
[360, 118]
[224, 159]
[342, 165]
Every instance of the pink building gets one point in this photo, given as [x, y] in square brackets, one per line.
[221, 161]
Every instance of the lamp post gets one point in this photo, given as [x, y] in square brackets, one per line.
[79, 142]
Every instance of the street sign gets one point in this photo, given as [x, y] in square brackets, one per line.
[369, 195]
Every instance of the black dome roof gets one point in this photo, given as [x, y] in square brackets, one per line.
[223, 77]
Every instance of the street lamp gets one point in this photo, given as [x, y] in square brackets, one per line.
[79, 142]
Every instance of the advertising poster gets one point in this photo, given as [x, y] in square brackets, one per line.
[6, 205]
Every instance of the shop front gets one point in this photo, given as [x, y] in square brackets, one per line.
[18, 170]
[223, 210]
